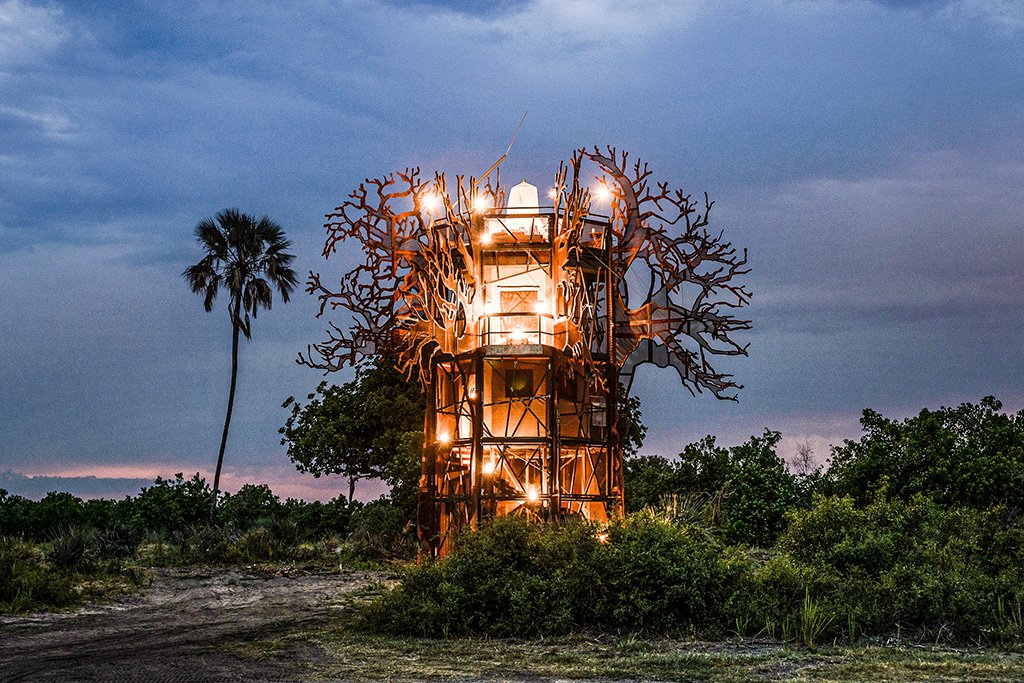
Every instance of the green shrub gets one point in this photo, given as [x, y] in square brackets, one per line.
[380, 531]
[911, 566]
[316, 519]
[173, 505]
[971, 455]
[56, 511]
[70, 548]
[203, 544]
[517, 578]
[750, 484]
[117, 541]
[14, 514]
[259, 544]
[839, 571]
[760, 491]
[26, 583]
[252, 503]
[661, 577]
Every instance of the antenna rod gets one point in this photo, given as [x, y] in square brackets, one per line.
[516, 134]
[505, 155]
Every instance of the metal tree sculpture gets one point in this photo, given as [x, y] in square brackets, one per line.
[452, 279]
[690, 284]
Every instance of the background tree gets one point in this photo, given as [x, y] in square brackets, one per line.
[802, 462]
[172, 505]
[701, 468]
[248, 257]
[970, 455]
[632, 429]
[761, 489]
[366, 428]
[748, 485]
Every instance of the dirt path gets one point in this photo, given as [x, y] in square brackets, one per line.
[190, 625]
[218, 625]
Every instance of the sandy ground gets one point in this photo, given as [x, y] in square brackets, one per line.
[190, 625]
[214, 625]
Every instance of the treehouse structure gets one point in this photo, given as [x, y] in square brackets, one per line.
[524, 322]
[514, 424]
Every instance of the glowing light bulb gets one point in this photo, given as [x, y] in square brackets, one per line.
[532, 494]
[480, 203]
[491, 308]
[540, 307]
[485, 238]
[602, 537]
[488, 468]
[552, 193]
[471, 392]
[430, 201]
[602, 194]
[444, 438]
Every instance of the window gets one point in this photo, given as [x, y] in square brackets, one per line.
[519, 323]
[519, 383]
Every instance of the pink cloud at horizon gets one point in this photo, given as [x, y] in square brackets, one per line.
[285, 483]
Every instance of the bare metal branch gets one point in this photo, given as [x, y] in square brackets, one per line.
[413, 294]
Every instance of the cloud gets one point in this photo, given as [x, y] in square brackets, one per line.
[89, 486]
[936, 235]
[1007, 15]
[109, 482]
[468, 7]
[28, 33]
[54, 125]
[592, 18]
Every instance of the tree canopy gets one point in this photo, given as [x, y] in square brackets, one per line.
[750, 484]
[969, 455]
[366, 428]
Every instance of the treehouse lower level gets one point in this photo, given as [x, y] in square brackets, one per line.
[517, 429]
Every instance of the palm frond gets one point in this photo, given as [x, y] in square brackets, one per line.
[245, 256]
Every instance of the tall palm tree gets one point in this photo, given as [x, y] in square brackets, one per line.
[249, 259]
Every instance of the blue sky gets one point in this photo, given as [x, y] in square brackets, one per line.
[870, 155]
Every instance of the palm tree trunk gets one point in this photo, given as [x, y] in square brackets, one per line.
[227, 418]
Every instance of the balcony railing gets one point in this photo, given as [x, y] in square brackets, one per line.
[516, 329]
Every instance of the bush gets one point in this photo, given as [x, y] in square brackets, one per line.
[649, 479]
[759, 492]
[910, 566]
[203, 544]
[70, 548]
[750, 484]
[54, 512]
[253, 503]
[173, 505]
[15, 514]
[971, 455]
[316, 519]
[259, 545]
[661, 577]
[26, 583]
[380, 531]
[518, 578]
[838, 571]
[117, 541]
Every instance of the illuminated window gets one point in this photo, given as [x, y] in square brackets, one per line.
[519, 383]
[518, 300]
[519, 323]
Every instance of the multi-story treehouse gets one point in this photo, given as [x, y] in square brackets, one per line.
[525, 323]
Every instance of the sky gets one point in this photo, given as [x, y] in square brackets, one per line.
[868, 154]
